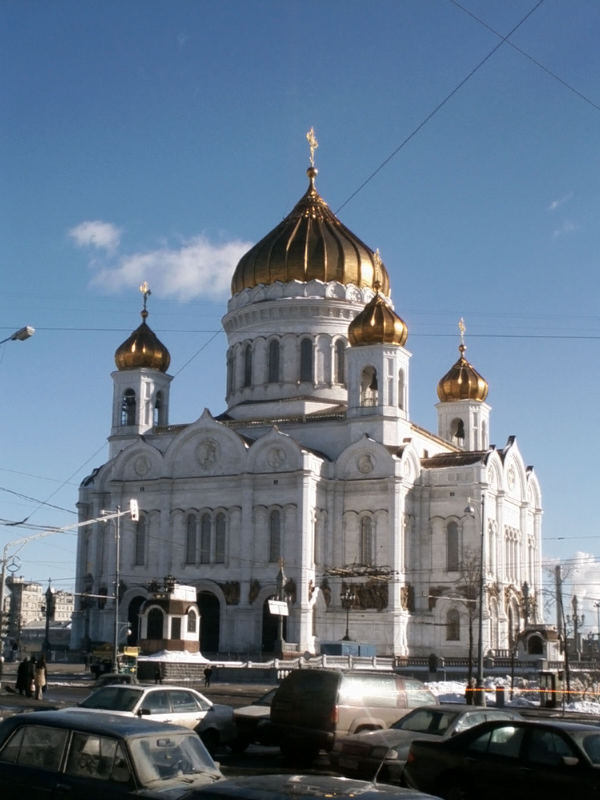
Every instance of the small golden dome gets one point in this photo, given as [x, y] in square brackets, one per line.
[310, 244]
[143, 348]
[462, 382]
[377, 323]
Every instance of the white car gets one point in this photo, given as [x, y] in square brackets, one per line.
[213, 722]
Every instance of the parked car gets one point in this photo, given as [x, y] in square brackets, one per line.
[313, 707]
[518, 759]
[115, 677]
[213, 722]
[383, 753]
[52, 754]
[303, 787]
[253, 723]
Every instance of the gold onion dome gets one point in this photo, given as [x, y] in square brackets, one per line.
[310, 244]
[143, 348]
[377, 323]
[462, 381]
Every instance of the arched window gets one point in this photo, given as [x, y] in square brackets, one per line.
[368, 387]
[274, 536]
[155, 623]
[220, 538]
[230, 372]
[205, 526]
[340, 362]
[452, 547]
[192, 621]
[139, 556]
[128, 405]
[452, 625]
[248, 365]
[190, 540]
[458, 429]
[306, 361]
[157, 416]
[366, 541]
[273, 376]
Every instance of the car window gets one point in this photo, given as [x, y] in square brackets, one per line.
[503, 741]
[426, 721]
[156, 703]
[113, 698]
[100, 757]
[36, 746]
[375, 690]
[417, 694]
[591, 745]
[548, 748]
[469, 720]
[159, 758]
[183, 701]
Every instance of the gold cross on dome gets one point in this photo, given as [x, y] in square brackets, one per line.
[462, 328]
[145, 290]
[313, 144]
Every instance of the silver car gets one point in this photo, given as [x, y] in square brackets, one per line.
[383, 753]
[213, 722]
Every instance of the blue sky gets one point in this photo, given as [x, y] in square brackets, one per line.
[159, 140]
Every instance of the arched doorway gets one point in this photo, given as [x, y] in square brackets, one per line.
[270, 627]
[133, 619]
[209, 622]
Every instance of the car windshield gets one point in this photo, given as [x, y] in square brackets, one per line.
[162, 757]
[112, 698]
[426, 720]
[266, 699]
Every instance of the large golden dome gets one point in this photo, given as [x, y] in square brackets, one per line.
[310, 244]
[462, 382]
[377, 323]
[143, 348]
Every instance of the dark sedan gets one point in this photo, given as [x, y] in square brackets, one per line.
[303, 787]
[82, 756]
[515, 759]
[383, 753]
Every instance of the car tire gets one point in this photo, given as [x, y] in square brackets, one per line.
[210, 740]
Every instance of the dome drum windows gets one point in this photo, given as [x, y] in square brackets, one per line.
[339, 374]
[248, 365]
[307, 359]
[273, 363]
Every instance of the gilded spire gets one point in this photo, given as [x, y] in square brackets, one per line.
[462, 381]
[143, 348]
[312, 144]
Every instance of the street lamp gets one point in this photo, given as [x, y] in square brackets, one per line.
[479, 692]
[347, 597]
[20, 335]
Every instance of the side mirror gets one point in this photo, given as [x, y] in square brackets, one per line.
[570, 761]
[144, 712]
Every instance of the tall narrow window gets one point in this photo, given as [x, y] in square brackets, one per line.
[401, 389]
[192, 621]
[139, 557]
[155, 623]
[230, 373]
[157, 418]
[452, 547]
[366, 541]
[306, 360]
[205, 539]
[190, 540]
[340, 362]
[220, 538]
[274, 536]
[128, 407]
[273, 375]
[248, 365]
[452, 626]
[369, 388]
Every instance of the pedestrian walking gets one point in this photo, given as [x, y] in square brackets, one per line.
[21, 682]
[30, 685]
[207, 676]
[40, 678]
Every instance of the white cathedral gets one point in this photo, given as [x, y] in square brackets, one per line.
[314, 470]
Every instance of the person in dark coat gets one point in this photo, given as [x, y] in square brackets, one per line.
[21, 683]
[29, 689]
[207, 676]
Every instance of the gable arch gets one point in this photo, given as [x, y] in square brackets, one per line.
[205, 448]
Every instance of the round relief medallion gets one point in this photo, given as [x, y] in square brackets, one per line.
[365, 463]
[207, 453]
[141, 466]
[276, 457]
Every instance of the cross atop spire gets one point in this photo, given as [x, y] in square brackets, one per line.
[312, 144]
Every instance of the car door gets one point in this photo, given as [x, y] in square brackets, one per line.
[186, 708]
[96, 766]
[491, 762]
[30, 761]
[545, 773]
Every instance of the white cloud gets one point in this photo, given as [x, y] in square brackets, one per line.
[98, 234]
[558, 203]
[565, 228]
[197, 268]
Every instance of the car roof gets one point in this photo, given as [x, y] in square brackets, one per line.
[551, 722]
[463, 707]
[90, 722]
